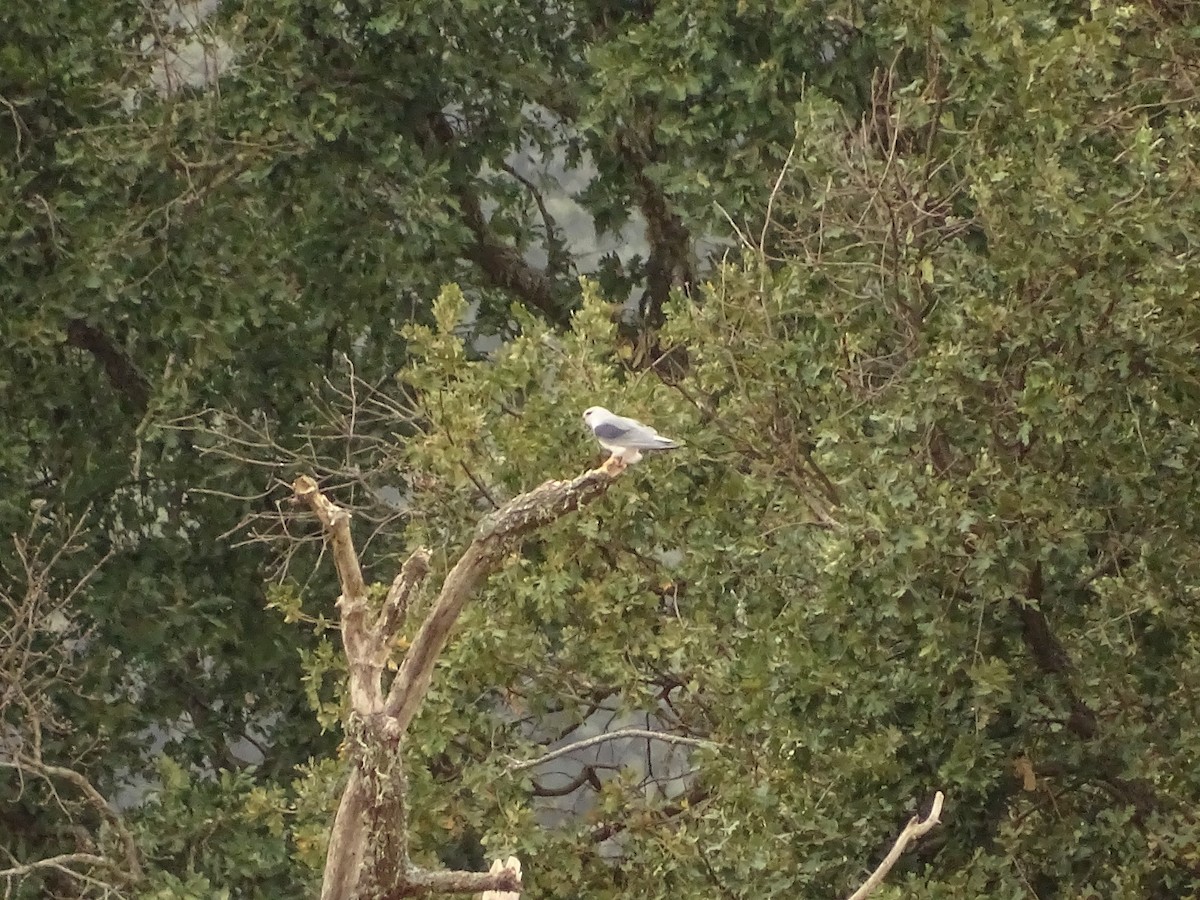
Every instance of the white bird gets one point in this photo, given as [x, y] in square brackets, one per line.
[625, 438]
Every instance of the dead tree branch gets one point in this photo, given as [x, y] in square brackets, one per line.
[132, 862]
[513, 864]
[916, 827]
[61, 863]
[39, 626]
[128, 868]
[368, 846]
[395, 607]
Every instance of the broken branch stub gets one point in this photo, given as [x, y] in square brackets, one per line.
[916, 828]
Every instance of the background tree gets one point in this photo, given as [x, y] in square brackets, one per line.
[932, 528]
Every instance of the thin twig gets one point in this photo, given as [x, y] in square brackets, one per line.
[611, 736]
[62, 863]
[762, 238]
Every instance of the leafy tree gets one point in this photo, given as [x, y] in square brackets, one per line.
[172, 247]
[932, 528]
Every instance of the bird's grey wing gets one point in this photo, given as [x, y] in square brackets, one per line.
[610, 431]
[643, 437]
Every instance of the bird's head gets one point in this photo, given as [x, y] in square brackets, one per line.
[592, 413]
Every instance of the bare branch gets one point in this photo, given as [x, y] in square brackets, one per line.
[611, 736]
[61, 863]
[512, 864]
[346, 445]
[360, 644]
[504, 878]
[494, 537]
[762, 238]
[916, 827]
[337, 524]
[133, 866]
[32, 670]
[395, 606]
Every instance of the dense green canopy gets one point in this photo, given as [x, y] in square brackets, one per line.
[934, 526]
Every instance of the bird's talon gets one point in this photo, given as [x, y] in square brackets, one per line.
[614, 465]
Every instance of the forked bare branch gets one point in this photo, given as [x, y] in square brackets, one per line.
[368, 846]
